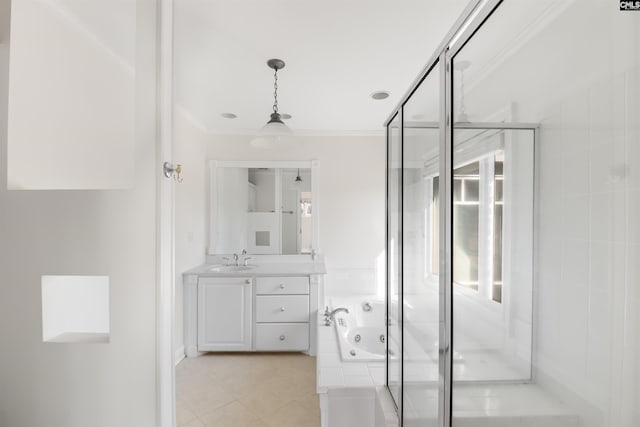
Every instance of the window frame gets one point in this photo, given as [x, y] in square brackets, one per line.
[486, 248]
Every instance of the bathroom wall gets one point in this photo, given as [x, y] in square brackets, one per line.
[5, 18]
[352, 201]
[588, 249]
[583, 87]
[191, 206]
[84, 62]
[82, 232]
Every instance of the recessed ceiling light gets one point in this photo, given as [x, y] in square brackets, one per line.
[380, 95]
[228, 115]
[285, 116]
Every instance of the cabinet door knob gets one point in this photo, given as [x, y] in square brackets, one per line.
[248, 281]
[281, 308]
[281, 285]
[281, 337]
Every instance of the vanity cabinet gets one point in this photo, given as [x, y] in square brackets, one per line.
[225, 314]
[282, 314]
[255, 310]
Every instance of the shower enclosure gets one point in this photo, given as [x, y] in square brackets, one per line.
[513, 192]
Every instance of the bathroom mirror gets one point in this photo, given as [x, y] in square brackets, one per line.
[265, 208]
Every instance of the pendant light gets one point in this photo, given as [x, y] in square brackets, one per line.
[272, 133]
[298, 180]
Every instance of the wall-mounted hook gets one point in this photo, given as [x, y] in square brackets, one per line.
[172, 171]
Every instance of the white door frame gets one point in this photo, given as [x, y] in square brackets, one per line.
[165, 294]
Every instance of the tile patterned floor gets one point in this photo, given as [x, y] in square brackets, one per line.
[247, 390]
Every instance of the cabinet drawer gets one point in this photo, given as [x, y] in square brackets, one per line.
[282, 336]
[282, 285]
[282, 308]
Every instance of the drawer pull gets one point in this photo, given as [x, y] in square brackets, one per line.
[248, 281]
[282, 286]
[281, 337]
[281, 308]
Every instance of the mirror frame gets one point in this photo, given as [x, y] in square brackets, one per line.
[314, 165]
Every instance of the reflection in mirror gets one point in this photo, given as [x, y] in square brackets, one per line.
[296, 211]
[244, 213]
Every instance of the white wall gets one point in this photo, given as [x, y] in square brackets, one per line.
[5, 18]
[588, 304]
[108, 233]
[191, 207]
[79, 92]
[577, 73]
[352, 201]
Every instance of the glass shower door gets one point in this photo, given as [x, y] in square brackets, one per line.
[420, 254]
[545, 289]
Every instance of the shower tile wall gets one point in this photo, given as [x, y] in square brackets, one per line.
[589, 249]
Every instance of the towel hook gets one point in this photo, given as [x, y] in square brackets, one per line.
[172, 171]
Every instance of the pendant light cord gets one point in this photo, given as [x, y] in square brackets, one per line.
[275, 91]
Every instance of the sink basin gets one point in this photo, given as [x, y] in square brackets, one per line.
[231, 268]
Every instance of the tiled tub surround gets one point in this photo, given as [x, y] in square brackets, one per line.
[346, 386]
[333, 372]
[421, 350]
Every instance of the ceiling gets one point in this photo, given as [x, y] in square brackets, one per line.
[337, 53]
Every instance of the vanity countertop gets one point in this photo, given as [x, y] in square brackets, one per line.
[264, 269]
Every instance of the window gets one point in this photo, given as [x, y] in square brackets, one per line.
[478, 201]
[466, 220]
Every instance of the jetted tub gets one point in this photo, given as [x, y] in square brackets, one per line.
[361, 333]
[362, 336]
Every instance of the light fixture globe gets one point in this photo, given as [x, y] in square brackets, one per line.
[275, 126]
[270, 142]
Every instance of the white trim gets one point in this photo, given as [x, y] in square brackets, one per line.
[179, 356]
[165, 309]
[315, 206]
[278, 207]
[251, 133]
[275, 164]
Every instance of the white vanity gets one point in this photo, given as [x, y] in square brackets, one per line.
[267, 298]
[271, 306]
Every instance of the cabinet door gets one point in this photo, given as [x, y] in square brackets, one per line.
[224, 314]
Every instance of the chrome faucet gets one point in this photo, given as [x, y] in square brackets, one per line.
[328, 315]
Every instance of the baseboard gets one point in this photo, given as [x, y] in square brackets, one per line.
[179, 355]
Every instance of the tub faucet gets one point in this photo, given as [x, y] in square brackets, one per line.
[328, 315]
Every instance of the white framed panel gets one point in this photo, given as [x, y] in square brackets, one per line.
[71, 97]
[224, 314]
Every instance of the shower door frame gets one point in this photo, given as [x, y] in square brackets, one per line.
[446, 236]
[469, 22]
